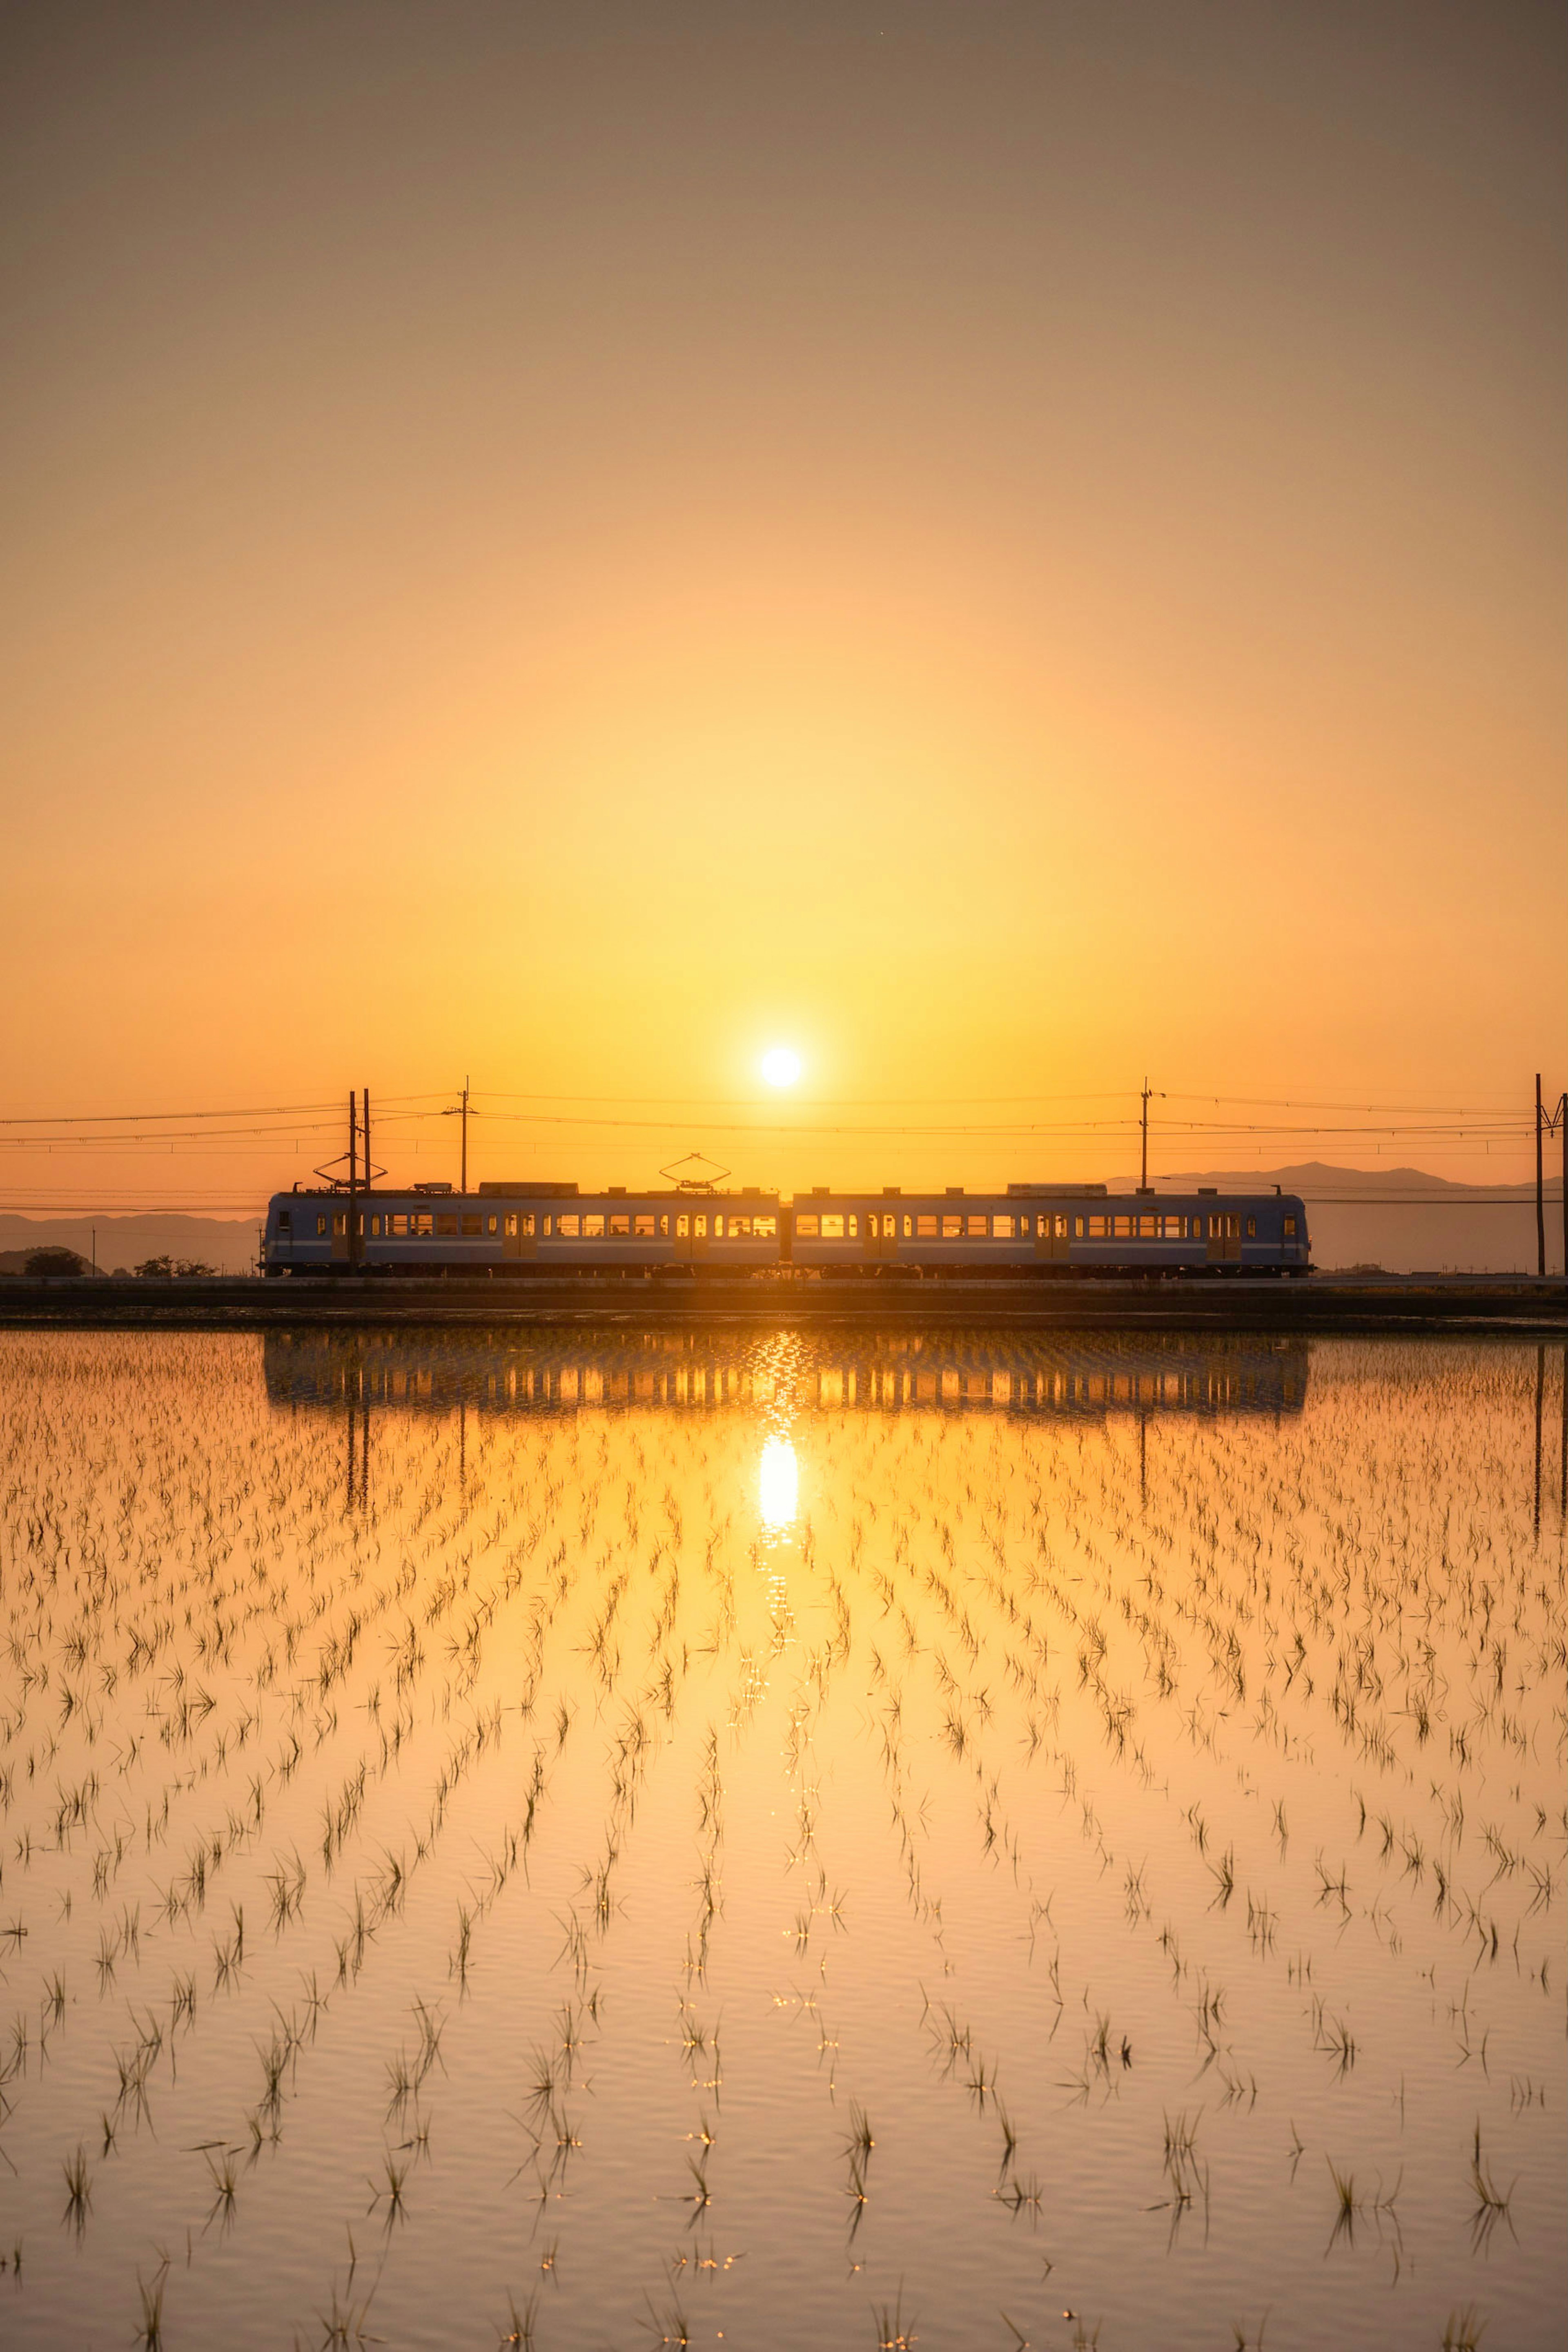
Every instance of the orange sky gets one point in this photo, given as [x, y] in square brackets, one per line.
[1003, 547]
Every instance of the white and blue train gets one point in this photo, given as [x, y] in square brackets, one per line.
[539, 1229]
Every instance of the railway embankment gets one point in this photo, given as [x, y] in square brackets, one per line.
[1517, 1305]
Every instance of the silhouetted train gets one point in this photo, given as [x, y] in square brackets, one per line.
[542, 1229]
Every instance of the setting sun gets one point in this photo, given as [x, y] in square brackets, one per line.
[781, 1065]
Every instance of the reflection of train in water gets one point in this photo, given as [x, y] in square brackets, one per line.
[507, 1373]
[543, 1229]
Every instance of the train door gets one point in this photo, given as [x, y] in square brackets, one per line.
[880, 1233]
[519, 1232]
[1050, 1231]
[1224, 1238]
[339, 1236]
[691, 1235]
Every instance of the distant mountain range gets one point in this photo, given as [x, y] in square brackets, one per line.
[1398, 1218]
[1404, 1219]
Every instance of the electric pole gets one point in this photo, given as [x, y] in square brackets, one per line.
[460, 1110]
[1549, 1122]
[1149, 1092]
[1540, 1196]
[353, 1177]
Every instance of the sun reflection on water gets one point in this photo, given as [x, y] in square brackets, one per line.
[779, 1484]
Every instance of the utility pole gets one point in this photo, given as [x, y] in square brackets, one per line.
[1147, 1092]
[353, 1177]
[1550, 1122]
[460, 1110]
[365, 1133]
[1539, 1197]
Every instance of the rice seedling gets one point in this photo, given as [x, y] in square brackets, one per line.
[150, 2300]
[78, 2187]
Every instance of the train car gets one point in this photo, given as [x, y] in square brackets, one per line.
[1049, 1229]
[519, 1228]
[553, 1228]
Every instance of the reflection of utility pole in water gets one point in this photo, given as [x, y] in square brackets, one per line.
[1539, 1401]
[1143, 1459]
[463, 1445]
[357, 1475]
[1562, 1451]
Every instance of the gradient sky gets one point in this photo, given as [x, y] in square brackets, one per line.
[1005, 546]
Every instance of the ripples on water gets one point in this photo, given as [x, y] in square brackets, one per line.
[811, 1841]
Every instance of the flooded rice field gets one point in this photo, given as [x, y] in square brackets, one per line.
[782, 1841]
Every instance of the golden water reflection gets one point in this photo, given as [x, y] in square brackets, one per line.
[778, 1484]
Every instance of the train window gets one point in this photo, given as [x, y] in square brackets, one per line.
[528, 1224]
[699, 1226]
[1251, 1229]
[765, 1228]
[832, 1229]
[568, 1227]
[511, 1224]
[1102, 1228]
[1148, 1229]
[446, 1224]
[642, 1227]
[491, 1224]
[1173, 1229]
[854, 1228]
[1197, 1229]
[375, 1229]
[682, 1227]
[1078, 1229]
[909, 1229]
[890, 1229]
[665, 1228]
[339, 1224]
[1002, 1229]
[975, 1227]
[1061, 1227]
[952, 1229]
[285, 1220]
[926, 1227]
[472, 1224]
[1289, 1229]
[320, 1225]
[593, 1227]
[619, 1228]
[423, 1225]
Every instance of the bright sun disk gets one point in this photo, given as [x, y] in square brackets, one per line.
[781, 1065]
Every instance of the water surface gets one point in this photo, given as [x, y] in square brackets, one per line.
[601, 1841]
